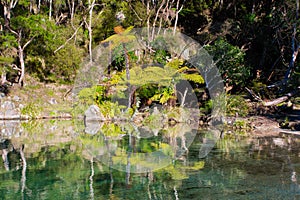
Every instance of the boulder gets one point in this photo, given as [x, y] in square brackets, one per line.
[92, 119]
[8, 105]
[8, 110]
[93, 113]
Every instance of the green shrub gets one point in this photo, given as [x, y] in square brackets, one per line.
[236, 105]
[230, 62]
[111, 109]
[31, 110]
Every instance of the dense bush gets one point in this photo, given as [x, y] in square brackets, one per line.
[230, 62]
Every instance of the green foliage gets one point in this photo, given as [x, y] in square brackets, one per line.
[119, 60]
[112, 130]
[63, 66]
[121, 37]
[7, 40]
[154, 120]
[230, 62]
[236, 105]
[178, 171]
[160, 56]
[93, 95]
[240, 124]
[157, 83]
[86, 96]
[97, 95]
[197, 166]
[163, 95]
[31, 110]
[207, 107]
[175, 173]
[147, 91]
[196, 78]
[110, 109]
[261, 89]
[5, 64]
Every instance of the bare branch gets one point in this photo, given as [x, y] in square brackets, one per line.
[135, 12]
[68, 40]
[15, 67]
[178, 10]
[28, 42]
[155, 19]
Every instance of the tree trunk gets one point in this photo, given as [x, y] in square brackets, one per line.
[3, 77]
[131, 89]
[50, 9]
[39, 5]
[295, 49]
[178, 10]
[72, 11]
[22, 64]
[6, 13]
[91, 7]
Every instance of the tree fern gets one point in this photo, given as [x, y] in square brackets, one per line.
[121, 37]
[196, 78]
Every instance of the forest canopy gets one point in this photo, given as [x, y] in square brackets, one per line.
[252, 42]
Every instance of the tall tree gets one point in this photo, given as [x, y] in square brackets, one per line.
[24, 28]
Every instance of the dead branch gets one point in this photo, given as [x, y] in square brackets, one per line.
[275, 101]
[68, 40]
[254, 96]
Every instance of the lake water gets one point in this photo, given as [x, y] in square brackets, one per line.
[58, 160]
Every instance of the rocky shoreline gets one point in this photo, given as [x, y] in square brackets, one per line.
[10, 111]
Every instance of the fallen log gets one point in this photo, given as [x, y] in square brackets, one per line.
[282, 99]
[275, 101]
[288, 132]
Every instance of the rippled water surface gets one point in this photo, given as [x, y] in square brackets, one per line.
[57, 160]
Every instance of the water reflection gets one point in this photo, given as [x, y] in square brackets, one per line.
[52, 160]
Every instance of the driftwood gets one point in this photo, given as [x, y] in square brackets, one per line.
[289, 132]
[275, 101]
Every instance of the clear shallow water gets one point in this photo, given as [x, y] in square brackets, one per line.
[54, 160]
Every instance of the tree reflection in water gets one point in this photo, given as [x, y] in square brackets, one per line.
[51, 160]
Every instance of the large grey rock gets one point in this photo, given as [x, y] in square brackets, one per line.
[8, 105]
[12, 114]
[93, 114]
[8, 110]
[92, 119]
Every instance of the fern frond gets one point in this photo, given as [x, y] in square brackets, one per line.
[196, 78]
[182, 69]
